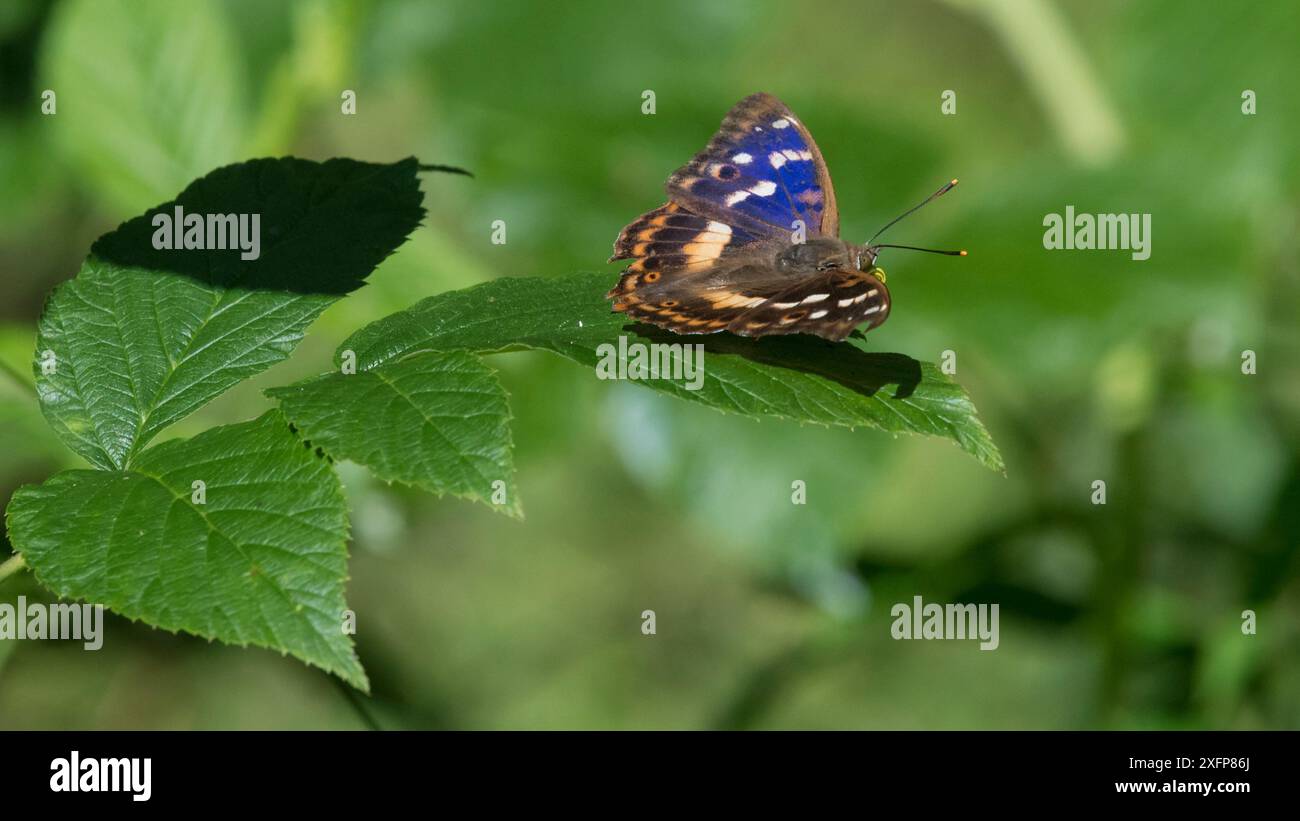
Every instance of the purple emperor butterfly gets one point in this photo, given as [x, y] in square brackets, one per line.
[748, 241]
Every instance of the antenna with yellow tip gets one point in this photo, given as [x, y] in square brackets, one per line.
[936, 195]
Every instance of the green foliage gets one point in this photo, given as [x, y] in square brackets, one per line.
[261, 560]
[239, 534]
[136, 350]
[1086, 365]
[438, 421]
[143, 337]
[799, 378]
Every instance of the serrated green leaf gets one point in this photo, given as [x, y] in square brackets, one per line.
[801, 378]
[262, 561]
[436, 420]
[142, 337]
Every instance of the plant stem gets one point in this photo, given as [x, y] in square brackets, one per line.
[12, 565]
[356, 703]
[1056, 67]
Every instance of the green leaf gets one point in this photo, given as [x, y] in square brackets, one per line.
[801, 378]
[261, 561]
[143, 337]
[149, 94]
[438, 421]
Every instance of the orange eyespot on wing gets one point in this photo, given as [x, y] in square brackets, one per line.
[667, 242]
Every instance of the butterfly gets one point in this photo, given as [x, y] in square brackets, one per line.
[748, 241]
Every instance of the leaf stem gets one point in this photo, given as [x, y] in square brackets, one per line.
[356, 703]
[12, 565]
[446, 169]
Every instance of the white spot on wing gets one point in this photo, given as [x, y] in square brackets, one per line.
[784, 305]
[739, 196]
[781, 123]
[720, 228]
[776, 158]
[871, 310]
[814, 298]
[818, 314]
[766, 188]
[742, 158]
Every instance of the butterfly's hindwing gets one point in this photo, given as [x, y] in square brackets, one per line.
[762, 170]
[829, 305]
[698, 303]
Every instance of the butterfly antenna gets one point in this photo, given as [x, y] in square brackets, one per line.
[936, 195]
[961, 253]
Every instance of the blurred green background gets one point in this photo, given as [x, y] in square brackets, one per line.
[1085, 365]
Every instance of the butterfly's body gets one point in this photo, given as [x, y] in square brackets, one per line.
[805, 259]
[749, 240]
